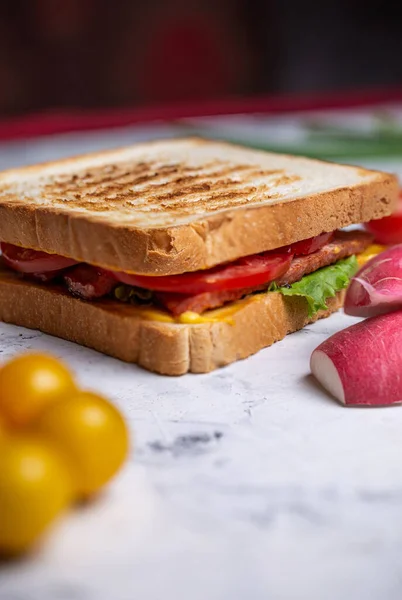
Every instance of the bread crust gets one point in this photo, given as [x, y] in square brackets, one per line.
[213, 239]
[116, 329]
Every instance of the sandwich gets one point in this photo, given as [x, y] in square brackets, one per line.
[182, 255]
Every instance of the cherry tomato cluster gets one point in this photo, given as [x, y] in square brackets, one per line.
[58, 445]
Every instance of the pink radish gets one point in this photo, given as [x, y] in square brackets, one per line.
[362, 365]
[377, 288]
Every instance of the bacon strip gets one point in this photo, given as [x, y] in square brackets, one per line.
[345, 243]
[89, 282]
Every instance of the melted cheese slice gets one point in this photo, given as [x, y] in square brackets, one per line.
[219, 315]
[369, 253]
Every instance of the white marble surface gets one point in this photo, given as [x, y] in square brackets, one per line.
[248, 483]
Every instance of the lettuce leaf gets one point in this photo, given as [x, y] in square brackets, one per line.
[317, 287]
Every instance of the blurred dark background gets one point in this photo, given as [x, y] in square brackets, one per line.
[110, 53]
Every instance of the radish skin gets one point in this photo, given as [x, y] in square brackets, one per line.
[362, 365]
[377, 287]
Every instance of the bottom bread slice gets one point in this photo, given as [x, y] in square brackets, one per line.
[117, 329]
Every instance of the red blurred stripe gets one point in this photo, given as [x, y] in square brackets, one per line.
[42, 124]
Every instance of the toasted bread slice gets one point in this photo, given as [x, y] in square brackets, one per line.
[182, 205]
[122, 331]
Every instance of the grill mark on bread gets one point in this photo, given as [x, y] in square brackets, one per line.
[174, 186]
[179, 202]
[125, 178]
[137, 174]
[121, 175]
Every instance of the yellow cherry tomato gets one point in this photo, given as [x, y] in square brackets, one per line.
[35, 486]
[30, 382]
[91, 433]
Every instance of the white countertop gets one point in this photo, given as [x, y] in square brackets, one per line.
[246, 484]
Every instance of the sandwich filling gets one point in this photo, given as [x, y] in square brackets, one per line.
[316, 268]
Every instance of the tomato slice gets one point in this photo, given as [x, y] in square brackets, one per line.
[246, 272]
[388, 231]
[25, 260]
[250, 271]
[312, 244]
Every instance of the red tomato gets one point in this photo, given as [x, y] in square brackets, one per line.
[312, 244]
[33, 261]
[249, 271]
[388, 231]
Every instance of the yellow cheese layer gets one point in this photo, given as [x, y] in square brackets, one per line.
[218, 315]
[369, 253]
